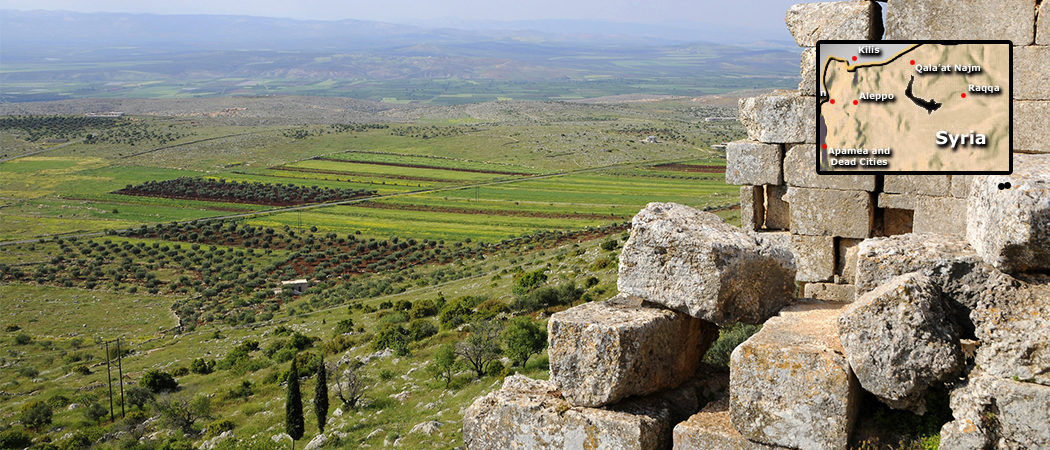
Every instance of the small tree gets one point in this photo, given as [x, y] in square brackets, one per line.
[349, 388]
[138, 396]
[157, 381]
[181, 410]
[95, 412]
[523, 339]
[481, 346]
[293, 407]
[445, 363]
[36, 415]
[321, 395]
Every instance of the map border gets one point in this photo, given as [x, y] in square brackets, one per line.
[820, 100]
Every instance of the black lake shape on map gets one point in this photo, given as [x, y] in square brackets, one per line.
[930, 105]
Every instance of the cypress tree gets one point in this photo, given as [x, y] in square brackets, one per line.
[321, 395]
[293, 408]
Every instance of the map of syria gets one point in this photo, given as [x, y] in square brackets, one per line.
[914, 107]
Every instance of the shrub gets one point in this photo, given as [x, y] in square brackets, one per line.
[23, 339]
[36, 415]
[219, 427]
[728, 339]
[344, 326]
[138, 396]
[421, 329]
[157, 381]
[610, 245]
[494, 368]
[59, 401]
[423, 308]
[15, 439]
[202, 366]
[386, 374]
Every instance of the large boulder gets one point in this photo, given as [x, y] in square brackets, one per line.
[779, 117]
[1013, 325]
[692, 261]
[790, 384]
[949, 261]
[530, 414]
[602, 352]
[900, 339]
[1008, 217]
[754, 163]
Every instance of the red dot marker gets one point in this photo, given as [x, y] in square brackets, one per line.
[913, 62]
[963, 95]
[832, 101]
[854, 58]
[856, 102]
[824, 146]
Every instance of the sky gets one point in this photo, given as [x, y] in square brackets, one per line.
[749, 13]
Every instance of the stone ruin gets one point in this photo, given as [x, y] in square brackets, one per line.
[905, 282]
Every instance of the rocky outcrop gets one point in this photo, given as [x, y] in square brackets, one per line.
[1013, 325]
[900, 339]
[693, 262]
[604, 351]
[993, 412]
[790, 384]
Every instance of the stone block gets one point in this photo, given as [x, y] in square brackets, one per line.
[693, 262]
[1013, 325]
[711, 429]
[752, 207]
[1012, 20]
[778, 210]
[1031, 127]
[808, 70]
[935, 185]
[1010, 227]
[961, 185]
[828, 212]
[800, 171]
[1042, 25]
[992, 412]
[830, 292]
[755, 163]
[898, 201]
[1032, 72]
[948, 260]
[900, 339]
[894, 222]
[944, 215]
[602, 352]
[846, 259]
[779, 117]
[790, 384]
[814, 257]
[528, 413]
[851, 20]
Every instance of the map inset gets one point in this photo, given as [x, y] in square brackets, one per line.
[914, 107]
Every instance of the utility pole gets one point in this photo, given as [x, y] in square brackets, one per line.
[109, 377]
[120, 378]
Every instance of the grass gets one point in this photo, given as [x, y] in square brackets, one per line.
[60, 313]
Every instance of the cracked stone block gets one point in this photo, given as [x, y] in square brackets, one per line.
[752, 207]
[1010, 227]
[900, 339]
[1012, 20]
[531, 414]
[993, 412]
[808, 70]
[1031, 127]
[829, 212]
[711, 429]
[1013, 325]
[602, 352]
[852, 20]
[935, 185]
[800, 171]
[778, 210]
[693, 262]
[751, 162]
[1032, 72]
[830, 292]
[779, 117]
[791, 385]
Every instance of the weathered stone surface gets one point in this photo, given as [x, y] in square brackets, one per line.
[935, 185]
[778, 210]
[779, 117]
[949, 261]
[829, 212]
[846, 259]
[528, 414]
[830, 292]
[1013, 324]
[800, 170]
[808, 70]
[814, 256]
[961, 185]
[1042, 26]
[945, 215]
[900, 340]
[751, 162]
[1031, 127]
[693, 262]
[1012, 20]
[1010, 228]
[711, 429]
[992, 412]
[752, 207]
[602, 352]
[790, 384]
[811, 22]
[1032, 73]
